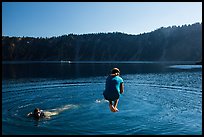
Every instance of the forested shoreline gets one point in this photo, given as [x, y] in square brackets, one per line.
[175, 43]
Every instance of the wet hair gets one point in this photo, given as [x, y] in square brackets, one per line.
[36, 110]
[115, 70]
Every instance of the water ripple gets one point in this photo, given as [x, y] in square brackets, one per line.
[147, 107]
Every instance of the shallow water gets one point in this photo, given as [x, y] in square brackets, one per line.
[158, 99]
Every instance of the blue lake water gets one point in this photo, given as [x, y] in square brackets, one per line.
[159, 99]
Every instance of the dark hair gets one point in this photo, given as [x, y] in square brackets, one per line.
[115, 70]
[36, 110]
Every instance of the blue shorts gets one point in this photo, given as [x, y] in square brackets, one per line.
[111, 97]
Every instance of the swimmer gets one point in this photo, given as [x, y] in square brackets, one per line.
[37, 113]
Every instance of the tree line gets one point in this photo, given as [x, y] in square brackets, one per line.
[175, 43]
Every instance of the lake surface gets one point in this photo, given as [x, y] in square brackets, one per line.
[159, 98]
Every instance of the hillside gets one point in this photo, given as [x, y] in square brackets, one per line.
[176, 43]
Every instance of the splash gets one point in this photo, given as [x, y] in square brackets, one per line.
[100, 100]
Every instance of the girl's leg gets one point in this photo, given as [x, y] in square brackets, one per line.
[111, 106]
[115, 104]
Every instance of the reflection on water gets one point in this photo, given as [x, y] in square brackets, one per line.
[186, 66]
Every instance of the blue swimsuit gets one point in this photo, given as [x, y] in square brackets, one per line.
[112, 89]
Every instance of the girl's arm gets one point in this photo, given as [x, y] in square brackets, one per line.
[30, 114]
[121, 88]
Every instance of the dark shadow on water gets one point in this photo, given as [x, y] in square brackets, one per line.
[76, 70]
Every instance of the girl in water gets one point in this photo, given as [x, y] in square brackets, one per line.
[37, 113]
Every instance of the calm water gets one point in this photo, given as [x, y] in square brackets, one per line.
[158, 99]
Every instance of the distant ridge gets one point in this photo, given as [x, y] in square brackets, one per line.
[176, 43]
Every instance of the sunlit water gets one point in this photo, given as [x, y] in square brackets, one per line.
[157, 99]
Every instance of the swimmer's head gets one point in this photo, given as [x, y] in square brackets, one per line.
[36, 112]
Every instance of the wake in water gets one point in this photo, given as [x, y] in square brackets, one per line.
[56, 111]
